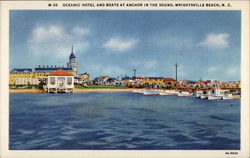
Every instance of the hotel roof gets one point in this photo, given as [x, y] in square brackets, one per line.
[21, 70]
[53, 68]
[60, 72]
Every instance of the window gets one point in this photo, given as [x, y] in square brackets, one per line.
[52, 80]
[69, 80]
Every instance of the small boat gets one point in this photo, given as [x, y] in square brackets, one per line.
[150, 92]
[197, 95]
[137, 91]
[185, 94]
[203, 96]
[217, 94]
[165, 94]
[214, 97]
[230, 97]
[168, 93]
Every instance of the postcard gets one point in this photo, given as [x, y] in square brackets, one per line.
[124, 79]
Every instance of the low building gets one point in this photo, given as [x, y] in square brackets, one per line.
[77, 80]
[22, 77]
[102, 80]
[127, 81]
[169, 82]
[85, 77]
[155, 82]
[138, 82]
[60, 81]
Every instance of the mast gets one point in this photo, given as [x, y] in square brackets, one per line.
[134, 73]
[176, 65]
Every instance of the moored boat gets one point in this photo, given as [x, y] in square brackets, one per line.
[137, 91]
[150, 92]
[230, 97]
[168, 93]
[185, 94]
[203, 96]
[214, 97]
[197, 95]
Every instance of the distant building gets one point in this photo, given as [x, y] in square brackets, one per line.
[85, 77]
[112, 81]
[155, 82]
[127, 81]
[22, 77]
[137, 82]
[60, 81]
[102, 80]
[41, 72]
[72, 63]
[169, 82]
[27, 77]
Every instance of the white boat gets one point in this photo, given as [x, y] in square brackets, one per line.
[168, 93]
[185, 94]
[165, 93]
[217, 94]
[214, 97]
[150, 92]
[230, 97]
[197, 95]
[137, 91]
[204, 96]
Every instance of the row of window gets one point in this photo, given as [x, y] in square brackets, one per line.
[60, 80]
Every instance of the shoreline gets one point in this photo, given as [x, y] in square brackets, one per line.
[75, 90]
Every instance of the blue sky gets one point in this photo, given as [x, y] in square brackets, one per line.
[206, 44]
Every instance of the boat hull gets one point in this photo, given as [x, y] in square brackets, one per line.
[184, 94]
[213, 97]
[204, 96]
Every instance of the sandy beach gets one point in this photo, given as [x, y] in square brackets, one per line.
[102, 90]
[26, 91]
[75, 91]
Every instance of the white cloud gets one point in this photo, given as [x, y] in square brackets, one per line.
[148, 64]
[217, 41]
[45, 40]
[119, 44]
[79, 31]
[109, 70]
[232, 71]
[212, 69]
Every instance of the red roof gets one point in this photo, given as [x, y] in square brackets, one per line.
[60, 72]
[203, 82]
[138, 77]
[168, 79]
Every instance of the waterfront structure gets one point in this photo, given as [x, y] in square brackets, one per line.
[155, 82]
[72, 63]
[169, 82]
[22, 77]
[60, 81]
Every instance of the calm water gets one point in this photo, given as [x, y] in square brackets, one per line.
[122, 121]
